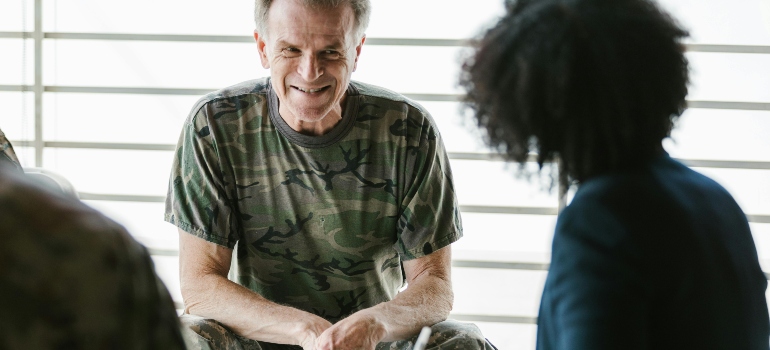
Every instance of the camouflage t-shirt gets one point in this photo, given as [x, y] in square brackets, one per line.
[7, 155]
[322, 222]
[72, 279]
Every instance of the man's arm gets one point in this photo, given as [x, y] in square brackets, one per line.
[208, 293]
[427, 301]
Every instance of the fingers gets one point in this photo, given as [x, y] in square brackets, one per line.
[313, 330]
[348, 334]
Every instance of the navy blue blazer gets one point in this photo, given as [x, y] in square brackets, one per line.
[661, 258]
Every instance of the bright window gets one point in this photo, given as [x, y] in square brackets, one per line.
[118, 78]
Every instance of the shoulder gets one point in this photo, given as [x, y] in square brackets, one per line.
[99, 271]
[679, 180]
[39, 215]
[64, 238]
[663, 197]
[248, 92]
[663, 180]
[387, 98]
[664, 184]
[404, 116]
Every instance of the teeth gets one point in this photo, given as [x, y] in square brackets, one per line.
[309, 90]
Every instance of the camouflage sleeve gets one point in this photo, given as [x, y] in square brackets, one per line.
[7, 155]
[430, 219]
[197, 202]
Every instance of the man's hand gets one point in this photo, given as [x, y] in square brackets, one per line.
[426, 301]
[315, 327]
[360, 331]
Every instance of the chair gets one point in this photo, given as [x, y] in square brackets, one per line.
[51, 180]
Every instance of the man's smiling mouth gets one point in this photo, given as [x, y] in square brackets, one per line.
[310, 91]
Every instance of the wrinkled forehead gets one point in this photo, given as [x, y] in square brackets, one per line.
[298, 25]
[308, 40]
[293, 16]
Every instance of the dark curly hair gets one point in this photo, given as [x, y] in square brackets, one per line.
[595, 85]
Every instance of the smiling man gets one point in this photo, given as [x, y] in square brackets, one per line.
[320, 198]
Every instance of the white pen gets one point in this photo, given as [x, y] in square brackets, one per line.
[422, 339]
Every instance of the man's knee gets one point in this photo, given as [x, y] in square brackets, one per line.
[454, 335]
[206, 334]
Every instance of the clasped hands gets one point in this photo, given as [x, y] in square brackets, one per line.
[360, 331]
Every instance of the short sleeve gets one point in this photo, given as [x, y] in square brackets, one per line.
[429, 218]
[197, 200]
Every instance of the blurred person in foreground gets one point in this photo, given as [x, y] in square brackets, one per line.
[649, 254]
[72, 279]
[319, 197]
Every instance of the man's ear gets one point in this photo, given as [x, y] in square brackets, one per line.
[262, 48]
[358, 51]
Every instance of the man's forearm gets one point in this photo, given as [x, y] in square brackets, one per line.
[427, 301]
[247, 313]
[203, 268]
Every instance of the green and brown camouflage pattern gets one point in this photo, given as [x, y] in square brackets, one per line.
[7, 155]
[207, 334]
[72, 279]
[321, 223]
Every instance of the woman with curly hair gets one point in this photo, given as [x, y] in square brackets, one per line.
[649, 254]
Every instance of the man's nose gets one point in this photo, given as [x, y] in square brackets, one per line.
[309, 68]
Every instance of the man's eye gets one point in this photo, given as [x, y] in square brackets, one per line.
[331, 54]
[290, 52]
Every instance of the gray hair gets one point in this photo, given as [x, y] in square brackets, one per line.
[361, 11]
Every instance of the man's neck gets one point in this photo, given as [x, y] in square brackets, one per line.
[314, 128]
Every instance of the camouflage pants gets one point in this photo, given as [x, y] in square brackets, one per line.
[207, 334]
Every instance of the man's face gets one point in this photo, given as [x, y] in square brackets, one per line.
[311, 54]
